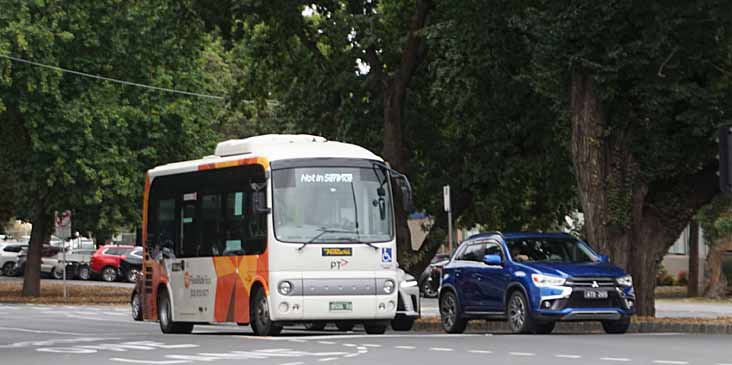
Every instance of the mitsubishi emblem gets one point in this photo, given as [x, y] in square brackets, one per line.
[594, 284]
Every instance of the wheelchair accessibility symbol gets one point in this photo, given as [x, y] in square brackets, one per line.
[386, 256]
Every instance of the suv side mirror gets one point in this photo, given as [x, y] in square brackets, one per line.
[259, 202]
[492, 260]
[603, 258]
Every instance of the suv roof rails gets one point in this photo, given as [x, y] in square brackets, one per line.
[489, 233]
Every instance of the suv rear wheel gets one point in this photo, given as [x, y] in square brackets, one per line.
[84, 272]
[451, 318]
[9, 269]
[109, 274]
[619, 326]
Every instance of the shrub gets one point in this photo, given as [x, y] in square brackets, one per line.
[682, 278]
[663, 278]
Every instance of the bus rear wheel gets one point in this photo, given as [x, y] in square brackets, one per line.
[261, 322]
[165, 317]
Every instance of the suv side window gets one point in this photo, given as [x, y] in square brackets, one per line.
[474, 252]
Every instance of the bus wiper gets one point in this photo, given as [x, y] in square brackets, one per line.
[349, 239]
[322, 232]
[355, 210]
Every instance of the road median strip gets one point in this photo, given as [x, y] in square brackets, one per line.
[721, 325]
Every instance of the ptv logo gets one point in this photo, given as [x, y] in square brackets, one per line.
[338, 264]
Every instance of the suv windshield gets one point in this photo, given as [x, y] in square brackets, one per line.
[332, 204]
[566, 250]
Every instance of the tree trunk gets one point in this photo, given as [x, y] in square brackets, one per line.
[395, 92]
[40, 234]
[627, 219]
[693, 285]
[716, 286]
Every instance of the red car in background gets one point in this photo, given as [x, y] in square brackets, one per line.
[105, 262]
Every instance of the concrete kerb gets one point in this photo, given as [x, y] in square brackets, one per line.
[432, 326]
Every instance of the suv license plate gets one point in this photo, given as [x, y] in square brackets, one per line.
[595, 294]
[341, 306]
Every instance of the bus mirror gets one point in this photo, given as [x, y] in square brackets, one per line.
[259, 202]
[406, 188]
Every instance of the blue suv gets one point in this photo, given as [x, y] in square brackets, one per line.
[533, 280]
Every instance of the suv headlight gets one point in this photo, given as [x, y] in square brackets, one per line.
[388, 286]
[626, 280]
[285, 287]
[541, 280]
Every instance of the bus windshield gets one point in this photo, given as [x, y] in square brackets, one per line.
[332, 204]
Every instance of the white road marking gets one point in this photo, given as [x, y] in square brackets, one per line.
[371, 345]
[350, 345]
[480, 352]
[56, 341]
[327, 342]
[440, 349]
[328, 359]
[40, 331]
[405, 347]
[522, 353]
[614, 359]
[670, 362]
[161, 362]
[565, 356]
[352, 355]
[293, 363]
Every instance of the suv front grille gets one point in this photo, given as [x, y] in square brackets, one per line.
[588, 282]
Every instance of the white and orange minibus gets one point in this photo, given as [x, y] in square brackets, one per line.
[270, 231]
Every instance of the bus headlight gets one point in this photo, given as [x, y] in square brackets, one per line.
[388, 286]
[285, 287]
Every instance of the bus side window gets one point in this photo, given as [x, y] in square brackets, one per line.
[166, 224]
[211, 225]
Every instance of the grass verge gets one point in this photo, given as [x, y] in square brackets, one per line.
[52, 293]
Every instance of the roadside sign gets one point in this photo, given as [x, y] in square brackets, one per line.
[446, 197]
[63, 225]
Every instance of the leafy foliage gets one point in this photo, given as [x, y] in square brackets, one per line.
[76, 143]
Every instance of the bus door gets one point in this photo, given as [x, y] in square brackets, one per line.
[184, 268]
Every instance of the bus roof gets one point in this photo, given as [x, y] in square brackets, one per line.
[272, 147]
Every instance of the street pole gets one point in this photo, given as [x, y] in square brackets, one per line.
[448, 209]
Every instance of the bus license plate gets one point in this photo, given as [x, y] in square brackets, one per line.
[594, 294]
[341, 306]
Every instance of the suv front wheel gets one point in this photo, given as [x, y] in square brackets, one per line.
[520, 319]
[451, 318]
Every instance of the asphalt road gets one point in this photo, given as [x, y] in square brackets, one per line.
[59, 335]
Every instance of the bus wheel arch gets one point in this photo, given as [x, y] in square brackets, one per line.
[259, 317]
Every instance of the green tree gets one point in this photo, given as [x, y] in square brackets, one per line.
[77, 143]
[406, 79]
[643, 86]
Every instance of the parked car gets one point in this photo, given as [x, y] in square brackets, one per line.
[8, 256]
[408, 303]
[429, 280]
[533, 280]
[131, 264]
[77, 263]
[48, 259]
[106, 260]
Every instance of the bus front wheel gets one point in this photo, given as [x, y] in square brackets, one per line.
[261, 322]
[165, 317]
